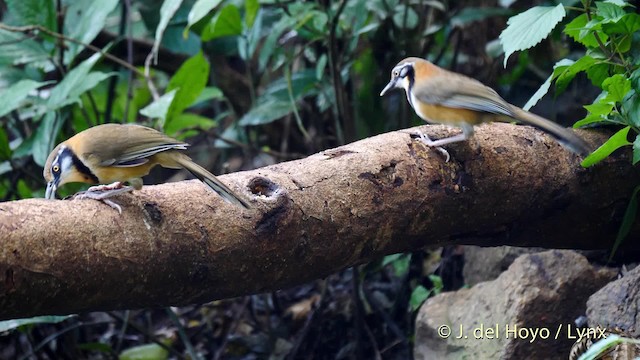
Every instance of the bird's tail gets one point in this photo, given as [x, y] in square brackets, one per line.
[208, 178]
[565, 137]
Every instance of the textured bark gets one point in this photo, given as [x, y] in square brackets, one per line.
[179, 243]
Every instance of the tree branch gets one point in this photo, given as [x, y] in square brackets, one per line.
[179, 243]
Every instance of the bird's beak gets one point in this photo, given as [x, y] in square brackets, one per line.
[52, 186]
[389, 86]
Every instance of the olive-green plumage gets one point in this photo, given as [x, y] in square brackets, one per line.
[123, 153]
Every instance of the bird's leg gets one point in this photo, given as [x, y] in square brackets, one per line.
[467, 132]
[113, 186]
[103, 192]
[427, 141]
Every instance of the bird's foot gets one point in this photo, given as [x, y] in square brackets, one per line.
[103, 193]
[427, 141]
[113, 186]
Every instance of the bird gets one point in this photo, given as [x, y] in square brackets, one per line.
[445, 97]
[119, 153]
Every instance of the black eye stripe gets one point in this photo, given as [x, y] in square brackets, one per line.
[79, 165]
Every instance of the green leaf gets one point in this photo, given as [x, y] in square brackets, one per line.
[24, 192]
[16, 323]
[145, 352]
[405, 17]
[636, 150]
[544, 88]
[598, 73]
[275, 102]
[438, 285]
[84, 19]
[631, 108]
[576, 29]
[270, 45]
[11, 97]
[401, 265]
[177, 126]
[159, 108]
[630, 214]
[75, 83]
[167, 10]
[226, 23]
[610, 12]
[563, 79]
[601, 347]
[529, 28]
[266, 112]
[617, 86]
[615, 142]
[628, 24]
[5, 149]
[320, 66]
[32, 12]
[189, 81]
[199, 10]
[418, 296]
[45, 137]
[251, 11]
[17, 49]
[209, 93]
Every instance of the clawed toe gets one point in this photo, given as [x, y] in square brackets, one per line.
[103, 193]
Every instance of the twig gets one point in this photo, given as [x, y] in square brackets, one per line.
[183, 334]
[147, 334]
[232, 328]
[307, 324]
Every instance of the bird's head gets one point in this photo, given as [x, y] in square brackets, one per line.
[403, 74]
[61, 168]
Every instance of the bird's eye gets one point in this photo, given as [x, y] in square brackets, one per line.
[55, 168]
[396, 73]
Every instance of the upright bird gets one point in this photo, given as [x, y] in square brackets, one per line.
[445, 97]
[115, 153]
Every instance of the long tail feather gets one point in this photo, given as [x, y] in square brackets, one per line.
[216, 185]
[565, 137]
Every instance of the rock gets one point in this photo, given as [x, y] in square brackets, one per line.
[516, 316]
[617, 304]
[486, 263]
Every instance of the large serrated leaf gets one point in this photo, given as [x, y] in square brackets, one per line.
[563, 79]
[617, 86]
[529, 28]
[189, 81]
[610, 12]
[11, 97]
[577, 30]
[83, 21]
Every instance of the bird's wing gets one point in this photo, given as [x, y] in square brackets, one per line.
[457, 91]
[129, 145]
